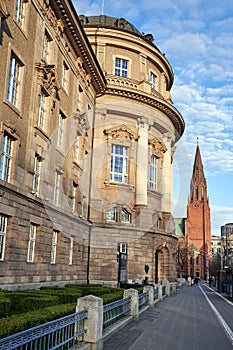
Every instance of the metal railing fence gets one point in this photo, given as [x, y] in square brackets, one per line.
[112, 312]
[58, 334]
[156, 294]
[143, 299]
[163, 290]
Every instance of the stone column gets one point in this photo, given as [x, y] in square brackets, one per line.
[167, 177]
[134, 305]
[142, 162]
[160, 292]
[94, 322]
[150, 291]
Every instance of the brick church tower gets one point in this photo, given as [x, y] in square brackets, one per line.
[197, 228]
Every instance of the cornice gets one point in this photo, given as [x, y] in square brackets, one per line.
[170, 111]
[66, 12]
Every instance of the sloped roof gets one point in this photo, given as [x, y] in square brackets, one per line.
[180, 227]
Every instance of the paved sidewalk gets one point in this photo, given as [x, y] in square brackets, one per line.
[182, 321]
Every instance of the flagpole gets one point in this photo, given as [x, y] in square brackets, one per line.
[102, 7]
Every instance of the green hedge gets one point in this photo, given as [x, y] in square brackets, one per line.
[17, 323]
[20, 310]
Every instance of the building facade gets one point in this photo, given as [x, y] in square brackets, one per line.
[136, 128]
[87, 138]
[197, 226]
[49, 81]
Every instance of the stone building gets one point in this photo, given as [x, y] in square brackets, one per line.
[136, 128]
[49, 81]
[87, 138]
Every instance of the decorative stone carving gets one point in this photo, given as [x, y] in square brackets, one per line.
[121, 132]
[158, 147]
[48, 78]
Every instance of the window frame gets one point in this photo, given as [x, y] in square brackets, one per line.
[65, 76]
[71, 250]
[119, 69]
[31, 243]
[153, 79]
[37, 174]
[6, 157]
[153, 177]
[57, 182]
[118, 160]
[54, 247]
[3, 233]
[20, 13]
[60, 129]
[42, 110]
[14, 80]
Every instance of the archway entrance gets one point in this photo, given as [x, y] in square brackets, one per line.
[161, 264]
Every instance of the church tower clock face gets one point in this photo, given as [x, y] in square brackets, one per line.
[196, 206]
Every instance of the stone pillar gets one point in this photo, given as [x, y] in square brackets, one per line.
[134, 305]
[142, 162]
[160, 292]
[167, 177]
[150, 291]
[167, 285]
[94, 322]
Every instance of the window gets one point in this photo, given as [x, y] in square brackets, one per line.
[13, 85]
[60, 130]
[73, 196]
[76, 149]
[122, 248]
[31, 243]
[125, 216]
[42, 111]
[153, 173]
[3, 230]
[6, 157]
[119, 164]
[54, 247]
[152, 80]
[80, 98]
[118, 214]
[71, 251]
[46, 48]
[20, 12]
[121, 68]
[36, 176]
[56, 187]
[111, 214]
[65, 76]
[196, 193]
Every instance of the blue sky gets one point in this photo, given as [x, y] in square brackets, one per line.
[197, 39]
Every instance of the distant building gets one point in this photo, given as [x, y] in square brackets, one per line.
[87, 133]
[227, 246]
[196, 240]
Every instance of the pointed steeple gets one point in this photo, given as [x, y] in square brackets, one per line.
[198, 186]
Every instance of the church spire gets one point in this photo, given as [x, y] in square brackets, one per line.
[198, 182]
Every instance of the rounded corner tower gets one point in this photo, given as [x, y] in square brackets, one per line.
[135, 129]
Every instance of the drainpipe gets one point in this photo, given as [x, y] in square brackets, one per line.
[89, 196]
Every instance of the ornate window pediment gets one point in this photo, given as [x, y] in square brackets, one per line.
[121, 132]
[158, 147]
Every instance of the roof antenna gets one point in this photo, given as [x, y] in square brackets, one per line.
[197, 141]
[102, 7]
